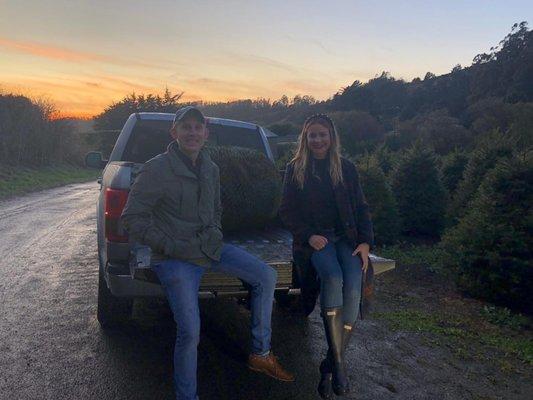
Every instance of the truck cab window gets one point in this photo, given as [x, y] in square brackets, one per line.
[148, 139]
[151, 137]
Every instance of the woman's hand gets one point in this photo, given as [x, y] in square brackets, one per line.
[318, 242]
[363, 249]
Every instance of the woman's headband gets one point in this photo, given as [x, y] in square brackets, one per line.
[319, 117]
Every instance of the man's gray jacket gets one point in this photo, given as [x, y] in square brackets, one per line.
[174, 211]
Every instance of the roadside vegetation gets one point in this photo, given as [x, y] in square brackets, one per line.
[37, 149]
[19, 180]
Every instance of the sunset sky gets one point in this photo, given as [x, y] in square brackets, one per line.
[83, 55]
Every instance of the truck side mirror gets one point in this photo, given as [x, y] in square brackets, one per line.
[94, 159]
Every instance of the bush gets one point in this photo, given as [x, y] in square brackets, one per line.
[437, 130]
[382, 203]
[286, 152]
[453, 166]
[489, 150]
[492, 243]
[28, 133]
[103, 141]
[420, 195]
[433, 257]
[386, 159]
[358, 130]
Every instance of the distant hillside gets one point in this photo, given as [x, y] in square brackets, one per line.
[505, 73]
[503, 76]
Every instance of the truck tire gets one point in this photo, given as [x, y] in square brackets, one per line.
[112, 312]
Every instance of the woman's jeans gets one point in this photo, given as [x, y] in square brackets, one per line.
[340, 278]
[181, 281]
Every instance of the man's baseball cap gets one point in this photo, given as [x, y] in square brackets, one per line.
[186, 111]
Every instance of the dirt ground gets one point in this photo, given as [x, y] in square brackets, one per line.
[445, 340]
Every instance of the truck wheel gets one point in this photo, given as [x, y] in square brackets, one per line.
[112, 311]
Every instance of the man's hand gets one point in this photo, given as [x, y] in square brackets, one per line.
[318, 242]
[363, 249]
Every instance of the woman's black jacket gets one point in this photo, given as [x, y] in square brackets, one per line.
[297, 213]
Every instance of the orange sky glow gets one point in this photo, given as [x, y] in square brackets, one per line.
[86, 96]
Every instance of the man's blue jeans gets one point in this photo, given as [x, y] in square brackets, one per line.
[340, 278]
[181, 281]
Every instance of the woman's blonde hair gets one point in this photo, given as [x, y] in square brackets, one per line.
[303, 155]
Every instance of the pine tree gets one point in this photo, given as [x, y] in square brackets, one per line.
[385, 158]
[453, 166]
[492, 244]
[489, 150]
[381, 200]
[420, 194]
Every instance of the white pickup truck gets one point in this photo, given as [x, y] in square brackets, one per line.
[123, 276]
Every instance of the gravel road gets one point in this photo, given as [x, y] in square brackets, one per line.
[51, 346]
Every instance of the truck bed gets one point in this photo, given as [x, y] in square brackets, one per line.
[273, 245]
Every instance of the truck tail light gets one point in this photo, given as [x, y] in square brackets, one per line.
[115, 200]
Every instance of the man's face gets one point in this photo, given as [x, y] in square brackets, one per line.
[191, 134]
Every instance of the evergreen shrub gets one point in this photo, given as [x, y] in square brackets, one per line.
[492, 244]
[489, 150]
[381, 200]
[420, 194]
[452, 169]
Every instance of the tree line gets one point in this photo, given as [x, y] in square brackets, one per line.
[29, 134]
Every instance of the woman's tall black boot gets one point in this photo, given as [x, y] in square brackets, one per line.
[334, 328]
[325, 390]
[346, 335]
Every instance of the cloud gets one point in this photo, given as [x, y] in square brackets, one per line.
[247, 59]
[255, 59]
[212, 89]
[69, 55]
[322, 46]
[117, 83]
[303, 41]
[53, 52]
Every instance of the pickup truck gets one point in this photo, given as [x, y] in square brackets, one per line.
[123, 272]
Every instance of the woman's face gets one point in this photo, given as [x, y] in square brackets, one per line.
[319, 140]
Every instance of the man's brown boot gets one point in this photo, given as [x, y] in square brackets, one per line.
[269, 365]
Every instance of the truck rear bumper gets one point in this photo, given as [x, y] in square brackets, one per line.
[143, 282]
[125, 286]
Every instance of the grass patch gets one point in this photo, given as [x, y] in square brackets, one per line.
[461, 330]
[431, 256]
[19, 180]
[504, 317]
